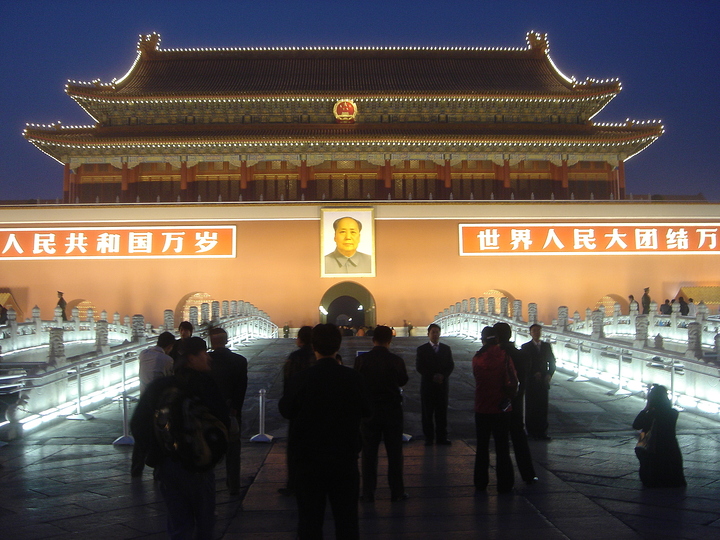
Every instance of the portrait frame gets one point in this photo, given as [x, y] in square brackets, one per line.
[366, 245]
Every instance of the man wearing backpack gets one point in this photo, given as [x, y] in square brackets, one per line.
[183, 421]
[229, 370]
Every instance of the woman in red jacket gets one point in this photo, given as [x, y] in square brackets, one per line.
[495, 385]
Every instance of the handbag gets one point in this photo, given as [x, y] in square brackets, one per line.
[644, 443]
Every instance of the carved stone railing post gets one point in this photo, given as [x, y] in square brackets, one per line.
[598, 324]
[694, 341]
[473, 305]
[481, 305]
[641, 331]
[702, 312]
[169, 320]
[194, 315]
[233, 308]
[491, 305]
[659, 342]
[138, 328]
[517, 310]
[652, 314]
[102, 341]
[225, 309]
[504, 306]
[464, 305]
[616, 317]
[75, 318]
[56, 352]
[58, 316]
[215, 310]
[532, 313]
[562, 319]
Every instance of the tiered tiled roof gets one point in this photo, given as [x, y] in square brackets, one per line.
[241, 137]
[343, 72]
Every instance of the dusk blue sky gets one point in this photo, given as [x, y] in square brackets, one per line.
[665, 53]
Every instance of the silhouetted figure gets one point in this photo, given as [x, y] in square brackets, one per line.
[646, 301]
[384, 373]
[230, 372]
[325, 403]
[521, 448]
[661, 463]
[493, 370]
[301, 358]
[188, 489]
[537, 394]
[434, 362]
[684, 308]
[62, 304]
[154, 363]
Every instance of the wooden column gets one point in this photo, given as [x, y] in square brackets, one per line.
[183, 180]
[66, 183]
[621, 179]
[124, 182]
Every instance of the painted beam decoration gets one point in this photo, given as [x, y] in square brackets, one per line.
[479, 239]
[118, 243]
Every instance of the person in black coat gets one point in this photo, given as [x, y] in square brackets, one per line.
[434, 362]
[301, 358]
[537, 394]
[661, 463]
[521, 449]
[230, 372]
[325, 404]
[384, 373]
[188, 493]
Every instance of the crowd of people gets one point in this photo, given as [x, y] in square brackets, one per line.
[189, 416]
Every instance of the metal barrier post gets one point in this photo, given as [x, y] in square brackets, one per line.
[79, 414]
[578, 377]
[262, 436]
[126, 439]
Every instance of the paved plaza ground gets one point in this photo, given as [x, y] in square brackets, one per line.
[69, 481]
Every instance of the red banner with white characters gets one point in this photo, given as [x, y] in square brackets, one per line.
[117, 243]
[588, 238]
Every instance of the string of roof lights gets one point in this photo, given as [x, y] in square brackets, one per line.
[627, 123]
[360, 142]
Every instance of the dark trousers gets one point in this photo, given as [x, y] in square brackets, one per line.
[232, 458]
[336, 480]
[386, 425]
[521, 449]
[434, 404]
[497, 425]
[190, 500]
[536, 407]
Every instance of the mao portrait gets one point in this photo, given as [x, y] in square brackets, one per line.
[347, 242]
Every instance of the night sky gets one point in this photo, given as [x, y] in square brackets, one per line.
[665, 53]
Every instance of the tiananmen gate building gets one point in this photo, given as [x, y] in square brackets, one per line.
[464, 172]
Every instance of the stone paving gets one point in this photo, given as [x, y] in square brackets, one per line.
[69, 481]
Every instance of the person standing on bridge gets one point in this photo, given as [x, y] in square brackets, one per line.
[542, 368]
[62, 304]
[434, 362]
[384, 374]
[230, 372]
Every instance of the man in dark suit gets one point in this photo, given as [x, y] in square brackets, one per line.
[434, 362]
[325, 403]
[542, 368]
[384, 373]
